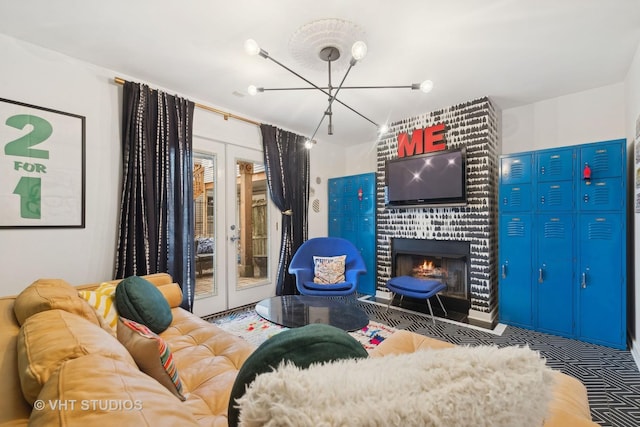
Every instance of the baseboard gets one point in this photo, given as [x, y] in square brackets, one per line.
[482, 318]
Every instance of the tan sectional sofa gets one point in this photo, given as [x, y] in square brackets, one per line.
[97, 383]
[101, 385]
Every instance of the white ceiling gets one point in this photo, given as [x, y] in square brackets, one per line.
[514, 51]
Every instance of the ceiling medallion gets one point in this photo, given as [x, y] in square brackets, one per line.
[308, 42]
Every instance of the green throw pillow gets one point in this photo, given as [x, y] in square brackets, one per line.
[315, 343]
[139, 300]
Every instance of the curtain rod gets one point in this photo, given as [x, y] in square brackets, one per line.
[224, 114]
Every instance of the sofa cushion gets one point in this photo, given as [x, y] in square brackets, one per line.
[102, 299]
[139, 300]
[49, 294]
[329, 269]
[315, 343]
[461, 386]
[49, 338]
[97, 391]
[151, 353]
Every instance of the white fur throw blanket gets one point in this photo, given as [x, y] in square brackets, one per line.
[461, 386]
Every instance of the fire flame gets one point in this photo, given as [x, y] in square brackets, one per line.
[427, 265]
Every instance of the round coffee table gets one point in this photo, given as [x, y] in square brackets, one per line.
[293, 311]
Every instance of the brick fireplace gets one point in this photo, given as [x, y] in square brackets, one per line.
[474, 126]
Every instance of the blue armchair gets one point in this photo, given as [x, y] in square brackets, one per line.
[303, 268]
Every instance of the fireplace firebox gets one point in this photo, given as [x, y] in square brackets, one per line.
[443, 260]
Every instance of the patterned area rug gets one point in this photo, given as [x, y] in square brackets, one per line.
[253, 328]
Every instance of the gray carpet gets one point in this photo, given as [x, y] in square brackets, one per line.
[611, 376]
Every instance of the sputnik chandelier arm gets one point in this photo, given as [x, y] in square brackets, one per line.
[328, 111]
[252, 48]
[329, 54]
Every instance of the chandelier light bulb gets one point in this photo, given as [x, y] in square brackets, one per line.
[251, 47]
[359, 50]
[252, 90]
[383, 129]
[308, 144]
[426, 86]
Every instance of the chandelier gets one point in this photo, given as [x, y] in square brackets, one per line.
[329, 53]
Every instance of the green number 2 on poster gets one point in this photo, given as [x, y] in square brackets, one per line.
[41, 131]
[28, 188]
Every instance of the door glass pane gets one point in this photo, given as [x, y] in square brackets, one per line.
[252, 219]
[204, 223]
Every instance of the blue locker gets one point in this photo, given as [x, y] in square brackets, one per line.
[555, 196]
[350, 185]
[515, 169]
[335, 204]
[367, 233]
[335, 187]
[335, 226]
[515, 198]
[604, 159]
[602, 295]
[367, 183]
[352, 202]
[515, 298]
[367, 187]
[553, 274]
[555, 165]
[601, 194]
[575, 283]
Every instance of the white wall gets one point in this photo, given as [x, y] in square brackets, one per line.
[362, 158]
[632, 93]
[583, 117]
[45, 78]
[327, 160]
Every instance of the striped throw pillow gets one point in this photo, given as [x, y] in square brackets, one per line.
[102, 299]
[151, 353]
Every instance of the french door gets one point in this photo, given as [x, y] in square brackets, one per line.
[234, 227]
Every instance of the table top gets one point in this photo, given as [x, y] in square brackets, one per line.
[293, 311]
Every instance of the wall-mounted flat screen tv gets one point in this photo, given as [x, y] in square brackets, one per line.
[437, 178]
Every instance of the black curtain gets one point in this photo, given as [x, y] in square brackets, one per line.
[156, 217]
[286, 163]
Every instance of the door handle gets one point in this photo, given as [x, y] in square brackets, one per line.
[540, 276]
[504, 271]
[583, 282]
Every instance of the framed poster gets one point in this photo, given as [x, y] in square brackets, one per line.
[42, 167]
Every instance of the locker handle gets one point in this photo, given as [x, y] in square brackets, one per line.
[504, 271]
[540, 276]
[583, 283]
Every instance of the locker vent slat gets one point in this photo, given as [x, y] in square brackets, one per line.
[555, 166]
[517, 170]
[555, 196]
[600, 231]
[601, 195]
[515, 229]
[600, 161]
[516, 199]
[554, 230]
